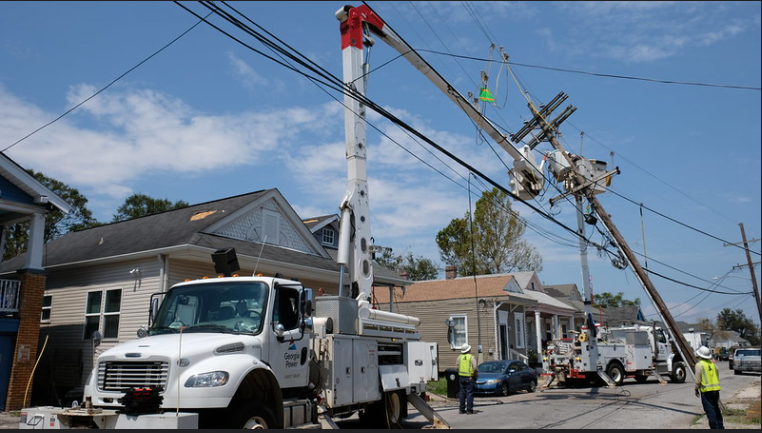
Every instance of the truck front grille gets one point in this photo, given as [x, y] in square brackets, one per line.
[122, 375]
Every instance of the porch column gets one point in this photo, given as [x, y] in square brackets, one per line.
[537, 331]
[25, 355]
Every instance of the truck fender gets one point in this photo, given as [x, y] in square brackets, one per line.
[259, 390]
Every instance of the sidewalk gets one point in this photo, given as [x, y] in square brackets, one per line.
[748, 399]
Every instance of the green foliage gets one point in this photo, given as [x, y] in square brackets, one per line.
[138, 205]
[736, 320]
[56, 222]
[608, 300]
[418, 268]
[494, 246]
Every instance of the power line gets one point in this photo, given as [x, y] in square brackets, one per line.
[621, 77]
[103, 88]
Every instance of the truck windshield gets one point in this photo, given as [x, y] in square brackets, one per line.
[232, 307]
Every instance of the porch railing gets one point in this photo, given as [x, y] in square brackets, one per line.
[9, 296]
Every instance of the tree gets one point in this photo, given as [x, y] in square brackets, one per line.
[56, 222]
[730, 320]
[418, 268]
[494, 245]
[608, 300]
[138, 205]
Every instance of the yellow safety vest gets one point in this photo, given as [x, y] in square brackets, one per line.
[710, 380]
[465, 367]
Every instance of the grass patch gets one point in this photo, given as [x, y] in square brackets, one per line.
[748, 416]
[438, 387]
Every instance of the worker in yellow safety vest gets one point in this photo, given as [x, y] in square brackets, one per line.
[707, 385]
[467, 376]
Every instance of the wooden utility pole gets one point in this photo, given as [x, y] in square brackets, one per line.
[751, 270]
[578, 185]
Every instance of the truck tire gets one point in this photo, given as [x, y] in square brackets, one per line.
[678, 374]
[253, 415]
[386, 413]
[616, 373]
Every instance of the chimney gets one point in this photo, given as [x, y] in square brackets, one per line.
[451, 272]
[405, 275]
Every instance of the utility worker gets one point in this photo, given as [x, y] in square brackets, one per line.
[467, 376]
[707, 386]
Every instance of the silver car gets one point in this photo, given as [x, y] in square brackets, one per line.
[746, 359]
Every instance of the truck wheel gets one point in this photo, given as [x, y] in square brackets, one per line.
[679, 373]
[386, 413]
[394, 403]
[616, 373]
[253, 415]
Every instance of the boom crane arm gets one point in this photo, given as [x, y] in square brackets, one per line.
[527, 177]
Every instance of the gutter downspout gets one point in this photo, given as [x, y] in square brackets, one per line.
[163, 271]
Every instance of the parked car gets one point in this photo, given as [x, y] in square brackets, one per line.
[731, 352]
[747, 359]
[505, 377]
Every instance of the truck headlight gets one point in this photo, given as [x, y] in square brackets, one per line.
[207, 380]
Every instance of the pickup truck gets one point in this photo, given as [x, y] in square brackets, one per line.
[746, 359]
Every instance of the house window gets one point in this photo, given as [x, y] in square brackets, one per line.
[519, 330]
[103, 306]
[458, 332]
[328, 236]
[47, 304]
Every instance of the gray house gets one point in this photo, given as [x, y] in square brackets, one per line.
[103, 278]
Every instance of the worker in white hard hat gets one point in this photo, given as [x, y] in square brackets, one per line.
[466, 377]
[707, 387]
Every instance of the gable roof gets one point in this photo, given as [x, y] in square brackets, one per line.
[317, 223]
[212, 225]
[458, 288]
[21, 194]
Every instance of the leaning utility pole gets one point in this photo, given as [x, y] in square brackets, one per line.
[580, 186]
[751, 270]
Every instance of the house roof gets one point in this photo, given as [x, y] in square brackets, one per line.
[456, 288]
[192, 226]
[21, 194]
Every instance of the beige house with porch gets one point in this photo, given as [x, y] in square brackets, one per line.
[505, 316]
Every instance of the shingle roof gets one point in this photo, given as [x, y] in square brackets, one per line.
[456, 288]
[168, 229]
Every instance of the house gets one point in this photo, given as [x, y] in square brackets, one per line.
[22, 198]
[496, 314]
[102, 279]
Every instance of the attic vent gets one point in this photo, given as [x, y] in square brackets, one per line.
[201, 215]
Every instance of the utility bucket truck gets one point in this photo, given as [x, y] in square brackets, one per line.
[632, 351]
[261, 352]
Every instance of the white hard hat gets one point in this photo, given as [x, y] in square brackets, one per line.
[466, 348]
[704, 352]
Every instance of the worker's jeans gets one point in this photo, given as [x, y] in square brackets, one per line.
[466, 394]
[710, 400]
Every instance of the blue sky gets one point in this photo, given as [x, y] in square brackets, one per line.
[668, 92]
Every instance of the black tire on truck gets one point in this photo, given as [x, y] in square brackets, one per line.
[253, 415]
[678, 373]
[616, 373]
[386, 413]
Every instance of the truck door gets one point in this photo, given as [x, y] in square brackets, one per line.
[289, 345]
[662, 350]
